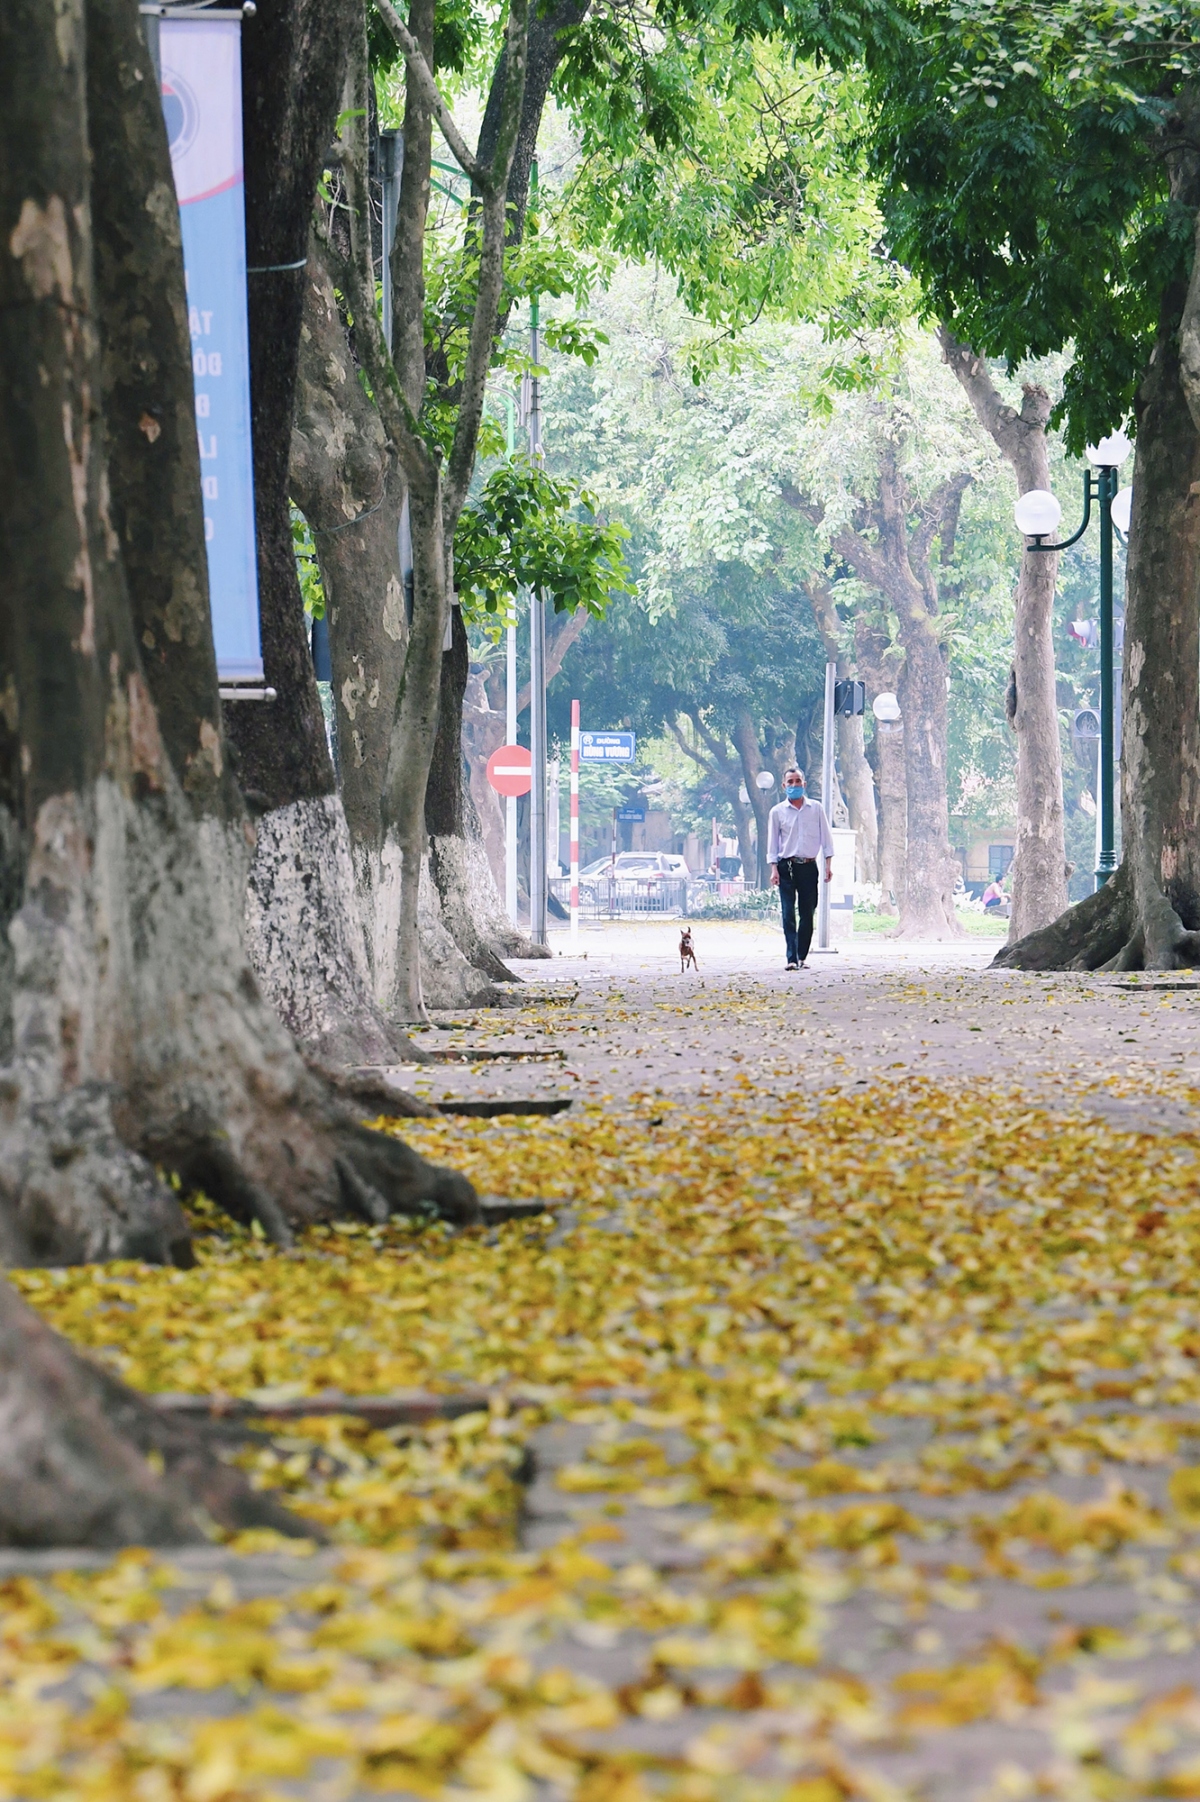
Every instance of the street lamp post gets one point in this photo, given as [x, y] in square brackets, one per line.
[1037, 514]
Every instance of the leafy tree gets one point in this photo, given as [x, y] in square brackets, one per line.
[1040, 174]
[519, 534]
[732, 554]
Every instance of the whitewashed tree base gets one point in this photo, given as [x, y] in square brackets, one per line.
[305, 938]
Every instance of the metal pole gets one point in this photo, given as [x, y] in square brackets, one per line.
[553, 817]
[574, 825]
[537, 750]
[1106, 863]
[510, 712]
[510, 737]
[827, 804]
[537, 657]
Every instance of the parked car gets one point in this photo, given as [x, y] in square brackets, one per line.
[637, 882]
[638, 864]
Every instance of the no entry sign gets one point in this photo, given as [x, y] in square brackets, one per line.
[510, 770]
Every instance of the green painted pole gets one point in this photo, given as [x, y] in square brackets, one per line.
[1106, 486]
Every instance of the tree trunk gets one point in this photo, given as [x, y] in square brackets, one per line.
[893, 809]
[484, 731]
[348, 484]
[84, 1461]
[899, 565]
[136, 1026]
[1039, 877]
[1148, 914]
[133, 1018]
[746, 739]
[927, 900]
[457, 865]
[927, 904]
[304, 930]
[414, 732]
[347, 481]
[467, 866]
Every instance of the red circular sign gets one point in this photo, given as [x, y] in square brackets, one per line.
[510, 770]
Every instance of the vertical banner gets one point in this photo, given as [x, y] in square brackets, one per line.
[202, 104]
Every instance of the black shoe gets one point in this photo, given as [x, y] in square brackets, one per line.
[793, 965]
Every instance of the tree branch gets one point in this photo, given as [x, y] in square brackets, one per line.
[690, 750]
[939, 518]
[422, 76]
[556, 652]
[716, 747]
[825, 613]
[490, 283]
[395, 413]
[1019, 437]
[867, 562]
[1189, 338]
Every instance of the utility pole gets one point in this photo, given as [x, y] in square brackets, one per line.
[827, 804]
[537, 653]
[574, 825]
[510, 706]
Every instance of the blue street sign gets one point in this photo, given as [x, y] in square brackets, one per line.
[634, 815]
[606, 747]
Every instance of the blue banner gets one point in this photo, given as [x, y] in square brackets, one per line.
[202, 104]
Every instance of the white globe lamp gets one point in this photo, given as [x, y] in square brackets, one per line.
[1122, 509]
[1111, 452]
[886, 708]
[1037, 513]
[764, 780]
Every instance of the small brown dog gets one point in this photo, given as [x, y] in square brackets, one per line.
[687, 954]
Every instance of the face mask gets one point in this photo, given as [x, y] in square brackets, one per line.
[795, 791]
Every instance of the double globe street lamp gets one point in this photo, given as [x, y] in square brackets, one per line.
[1038, 515]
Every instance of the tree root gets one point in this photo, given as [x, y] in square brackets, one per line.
[366, 1174]
[80, 1182]
[1108, 931]
[72, 1192]
[1088, 936]
[85, 1461]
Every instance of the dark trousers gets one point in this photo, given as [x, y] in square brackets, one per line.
[798, 899]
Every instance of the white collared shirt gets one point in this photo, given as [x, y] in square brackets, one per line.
[798, 831]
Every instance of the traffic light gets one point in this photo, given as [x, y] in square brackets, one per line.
[849, 697]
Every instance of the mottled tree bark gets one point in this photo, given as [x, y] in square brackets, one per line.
[136, 1032]
[137, 1028]
[898, 563]
[347, 480]
[1148, 914]
[303, 927]
[1039, 877]
[460, 921]
[84, 1461]
[711, 753]
[746, 740]
[876, 658]
[437, 489]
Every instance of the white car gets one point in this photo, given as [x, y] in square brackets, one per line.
[634, 865]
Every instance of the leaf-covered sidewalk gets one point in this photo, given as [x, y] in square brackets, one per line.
[845, 1432]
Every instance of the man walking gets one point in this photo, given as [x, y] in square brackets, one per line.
[797, 834]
